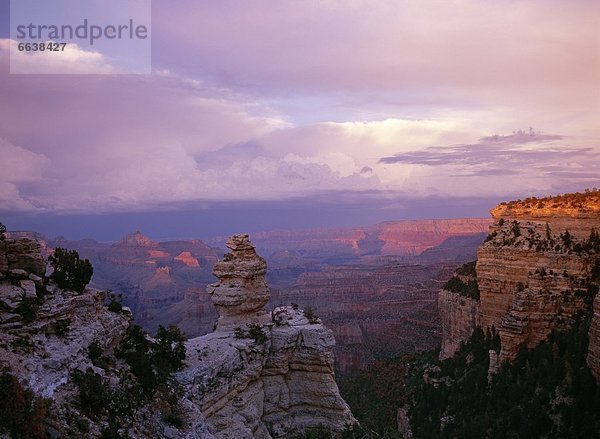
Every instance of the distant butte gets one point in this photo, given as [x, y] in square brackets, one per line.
[136, 239]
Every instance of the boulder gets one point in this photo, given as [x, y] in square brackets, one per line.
[25, 254]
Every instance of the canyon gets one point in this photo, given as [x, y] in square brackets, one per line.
[375, 287]
[260, 374]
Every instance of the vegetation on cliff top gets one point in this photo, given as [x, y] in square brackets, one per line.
[151, 362]
[589, 199]
[467, 288]
[70, 272]
[534, 236]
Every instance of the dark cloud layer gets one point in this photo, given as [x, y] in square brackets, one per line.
[186, 220]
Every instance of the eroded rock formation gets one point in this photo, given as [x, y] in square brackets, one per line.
[45, 332]
[535, 272]
[242, 292]
[261, 375]
[531, 279]
[21, 254]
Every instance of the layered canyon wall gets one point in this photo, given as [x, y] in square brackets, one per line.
[536, 271]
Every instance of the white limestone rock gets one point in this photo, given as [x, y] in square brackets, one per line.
[28, 287]
[250, 386]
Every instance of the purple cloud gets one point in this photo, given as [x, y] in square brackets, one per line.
[264, 101]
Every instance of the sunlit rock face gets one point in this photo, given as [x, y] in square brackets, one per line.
[532, 278]
[259, 374]
[535, 272]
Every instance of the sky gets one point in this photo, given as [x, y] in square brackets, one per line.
[262, 114]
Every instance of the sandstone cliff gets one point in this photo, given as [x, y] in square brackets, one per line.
[534, 273]
[460, 316]
[261, 375]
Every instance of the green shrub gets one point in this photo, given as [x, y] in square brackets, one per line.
[257, 334]
[28, 309]
[95, 352]
[515, 229]
[70, 272]
[61, 327]
[468, 289]
[2, 232]
[13, 402]
[467, 269]
[82, 424]
[115, 302]
[173, 417]
[311, 316]
[239, 332]
[152, 362]
[169, 351]
[98, 400]
[93, 391]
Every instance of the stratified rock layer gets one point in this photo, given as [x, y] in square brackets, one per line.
[530, 281]
[163, 283]
[242, 292]
[398, 238]
[21, 254]
[535, 273]
[261, 375]
[460, 316]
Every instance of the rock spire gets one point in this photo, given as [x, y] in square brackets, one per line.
[242, 292]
